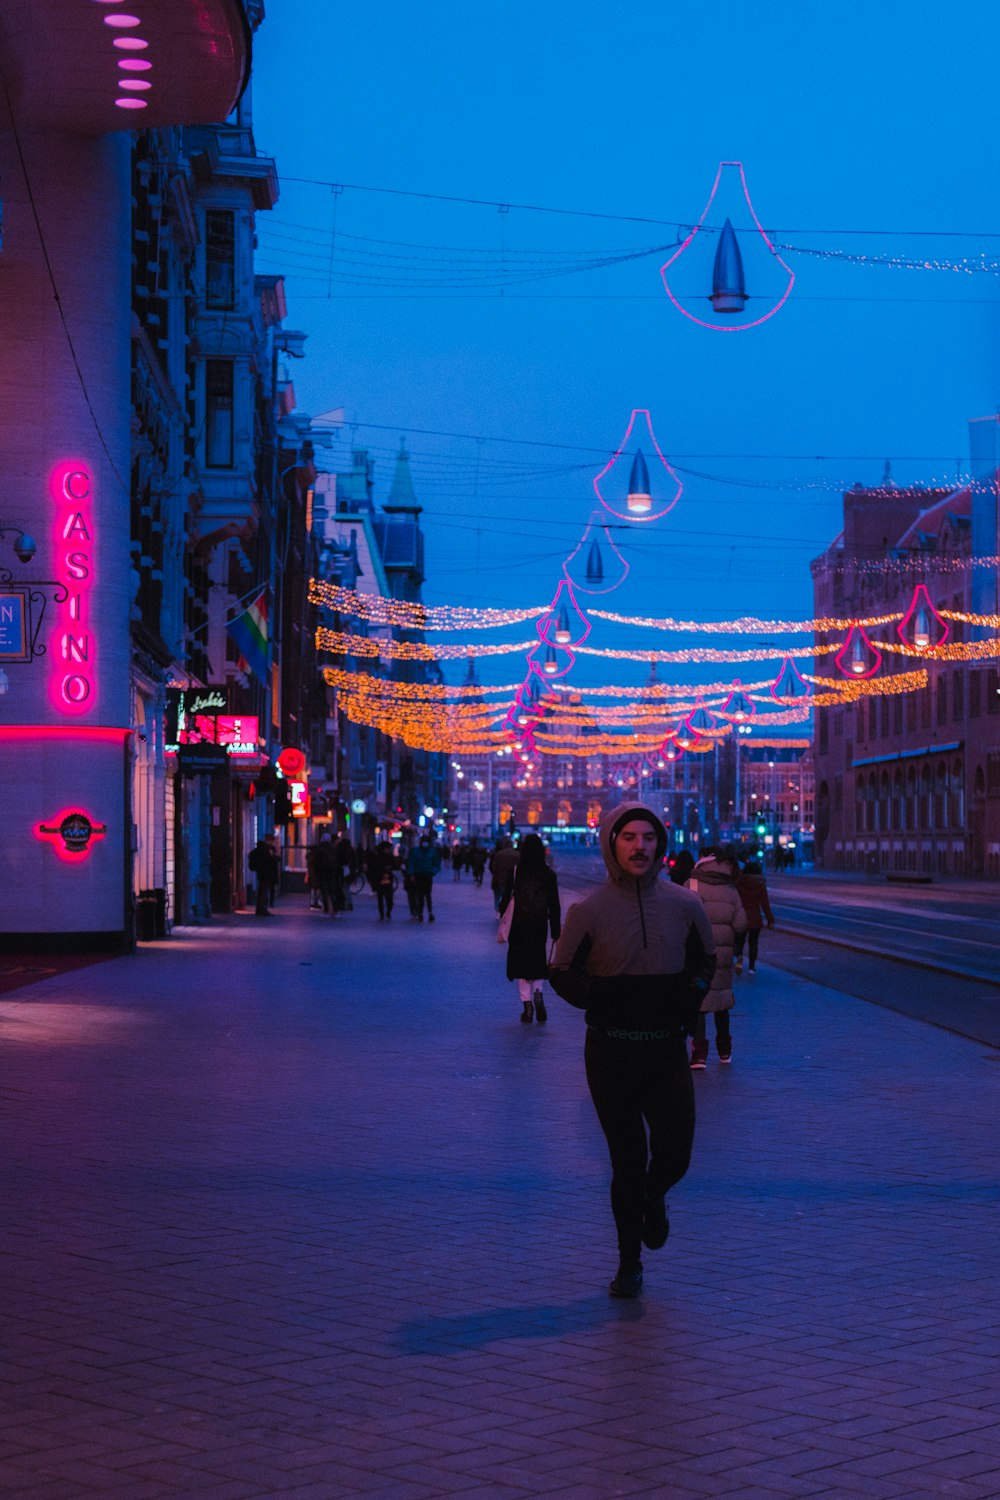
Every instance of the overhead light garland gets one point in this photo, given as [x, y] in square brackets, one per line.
[406, 616]
[380, 610]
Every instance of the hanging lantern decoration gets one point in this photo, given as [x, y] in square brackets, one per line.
[564, 623]
[598, 548]
[595, 565]
[700, 720]
[729, 295]
[550, 662]
[739, 706]
[728, 281]
[639, 501]
[790, 686]
[858, 657]
[922, 626]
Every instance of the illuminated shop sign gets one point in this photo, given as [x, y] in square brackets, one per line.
[238, 733]
[299, 793]
[190, 721]
[70, 834]
[74, 647]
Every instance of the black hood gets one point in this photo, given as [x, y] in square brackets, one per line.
[611, 825]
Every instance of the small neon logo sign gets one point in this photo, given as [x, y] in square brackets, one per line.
[74, 647]
[71, 834]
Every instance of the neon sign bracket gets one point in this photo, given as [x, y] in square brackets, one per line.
[36, 597]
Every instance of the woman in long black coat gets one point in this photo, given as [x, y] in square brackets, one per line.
[535, 893]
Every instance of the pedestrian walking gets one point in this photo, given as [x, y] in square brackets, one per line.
[751, 887]
[259, 862]
[457, 860]
[502, 861]
[312, 877]
[680, 865]
[344, 852]
[328, 870]
[637, 955]
[272, 871]
[534, 890]
[381, 875]
[714, 880]
[477, 862]
[423, 864]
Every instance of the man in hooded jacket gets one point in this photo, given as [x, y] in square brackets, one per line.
[637, 955]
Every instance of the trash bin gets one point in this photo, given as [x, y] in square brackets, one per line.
[145, 917]
[159, 896]
[151, 915]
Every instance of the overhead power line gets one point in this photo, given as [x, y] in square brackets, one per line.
[586, 213]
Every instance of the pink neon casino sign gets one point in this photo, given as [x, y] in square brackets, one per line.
[73, 649]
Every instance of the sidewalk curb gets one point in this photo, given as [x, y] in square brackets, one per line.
[795, 930]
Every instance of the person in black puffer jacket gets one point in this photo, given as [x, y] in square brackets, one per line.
[637, 955]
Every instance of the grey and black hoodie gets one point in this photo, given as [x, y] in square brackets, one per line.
[637, 954]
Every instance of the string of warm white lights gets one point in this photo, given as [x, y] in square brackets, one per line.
[968, 265]
[341, 677]
[406, 616]
[343, 643]
[746, 625]
[452, 727]
[378, 609]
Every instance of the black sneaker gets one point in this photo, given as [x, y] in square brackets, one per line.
[628, 1280]
[541, 1014]
[655, 1224]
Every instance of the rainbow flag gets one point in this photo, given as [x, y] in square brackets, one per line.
[249, 633]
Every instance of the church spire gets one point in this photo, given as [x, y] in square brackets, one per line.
[401, 493]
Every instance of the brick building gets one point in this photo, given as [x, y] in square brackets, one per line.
[911, 782]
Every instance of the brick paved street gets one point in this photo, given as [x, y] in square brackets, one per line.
[298, 1208]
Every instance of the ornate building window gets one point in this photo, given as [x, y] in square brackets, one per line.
[220, 258]
[219, 425]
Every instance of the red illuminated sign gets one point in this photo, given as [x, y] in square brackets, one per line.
[292, 762]
[239, 733]
[74, 647]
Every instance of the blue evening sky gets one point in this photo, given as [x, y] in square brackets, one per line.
[850, 117]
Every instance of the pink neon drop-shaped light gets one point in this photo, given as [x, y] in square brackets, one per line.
[564, 604]
[728, 327]
[790, 686]
[581, 585]
[626, 515]
[739, 706]
[917, 621]
[857, 657]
